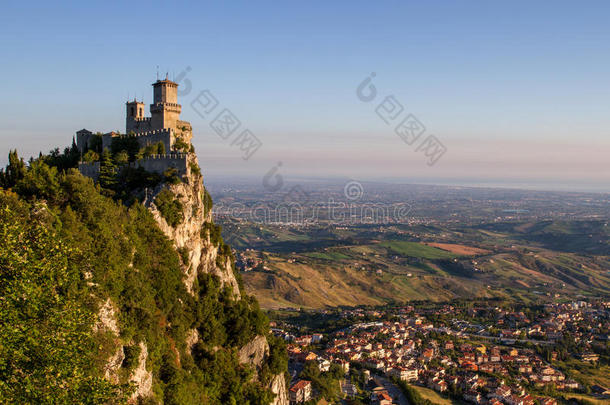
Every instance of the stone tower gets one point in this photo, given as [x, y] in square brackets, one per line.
[165, 110]
[164, 125]
[134, 117]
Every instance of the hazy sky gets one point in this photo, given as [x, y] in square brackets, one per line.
[516, 92]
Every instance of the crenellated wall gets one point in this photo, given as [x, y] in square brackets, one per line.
[160, 163]
[145, 138]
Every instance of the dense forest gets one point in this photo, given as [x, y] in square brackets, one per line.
[68, 246]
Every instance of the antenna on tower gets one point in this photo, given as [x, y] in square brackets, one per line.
[157, 72]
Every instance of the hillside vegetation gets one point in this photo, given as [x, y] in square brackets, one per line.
[68, 248]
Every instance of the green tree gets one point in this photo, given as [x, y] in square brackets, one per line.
[46, 338]
[91, 156]
[13, 172]
[108, 171]
[121, 158]
[40, 181]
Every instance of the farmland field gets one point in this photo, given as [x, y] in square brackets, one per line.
[414, 249]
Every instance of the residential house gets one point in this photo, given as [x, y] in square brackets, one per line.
[300, 392]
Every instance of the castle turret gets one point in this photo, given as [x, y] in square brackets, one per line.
[134, 117]
[165, 110]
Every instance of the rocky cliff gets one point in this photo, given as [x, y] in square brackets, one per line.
[200, 246]
[192, 236]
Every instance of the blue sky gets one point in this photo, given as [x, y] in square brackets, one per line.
[515, 91]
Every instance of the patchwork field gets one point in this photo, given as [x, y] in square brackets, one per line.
[461, 250]
[413, 249]
[317, 267]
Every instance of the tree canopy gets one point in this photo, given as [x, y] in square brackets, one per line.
[68, 247]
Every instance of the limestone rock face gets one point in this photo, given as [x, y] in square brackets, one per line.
[255, 352]
[278, 387]
[107, 322]
[142, 378]
[106, 318]
[191, 338]
[187, 235]
[113, 364]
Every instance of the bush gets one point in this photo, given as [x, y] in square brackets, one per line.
[169, 207]
[278, 356]
[207, 202]
[128, 144]
[171, 175]
[121, 158]
[46, 339]
[154, 149]
[91, 156]
[195, 169]
[131, 179]
[184, 255]
[181, 145]
[132, 356]
[214, 231]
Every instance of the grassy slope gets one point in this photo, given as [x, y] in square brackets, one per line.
[340, 267]
[413, 249]
[435, 397]
[317, 280]
[347, 276]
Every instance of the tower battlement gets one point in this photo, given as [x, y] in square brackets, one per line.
[142, 119]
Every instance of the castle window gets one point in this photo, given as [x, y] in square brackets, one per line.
[132, 111]
[140, 112]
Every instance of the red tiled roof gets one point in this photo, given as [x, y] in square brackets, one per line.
[299, 385]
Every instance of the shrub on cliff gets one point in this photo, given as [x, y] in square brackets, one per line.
[169, 207]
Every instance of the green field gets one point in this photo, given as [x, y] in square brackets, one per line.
[414, 249]
[327, 255]
[435, 397]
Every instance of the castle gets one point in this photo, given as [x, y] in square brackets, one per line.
[163, 126]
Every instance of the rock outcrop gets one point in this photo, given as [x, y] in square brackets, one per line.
[187, 235]
[278, 387]
[141, 377]
[255, 352]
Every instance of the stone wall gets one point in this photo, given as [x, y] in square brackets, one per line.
[138, 125]
[90, 169]
[160, 163]
[146, 138]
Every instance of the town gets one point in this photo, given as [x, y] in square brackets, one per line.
[477, 353]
